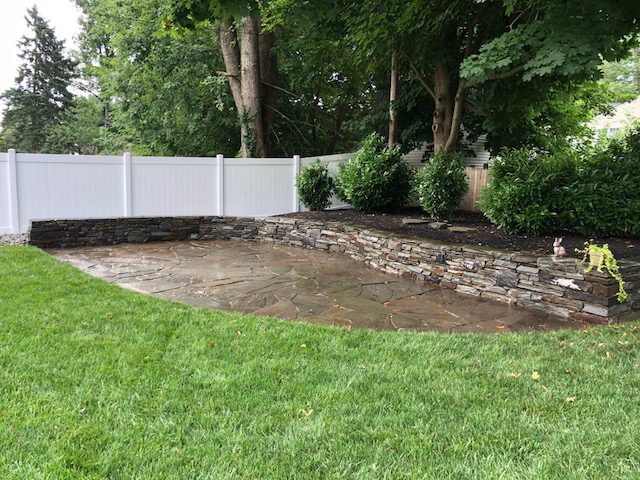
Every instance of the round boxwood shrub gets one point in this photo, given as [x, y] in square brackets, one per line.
[441, 184]
[375, 179]
[315, 186]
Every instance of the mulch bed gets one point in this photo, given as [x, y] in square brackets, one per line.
[484, 233]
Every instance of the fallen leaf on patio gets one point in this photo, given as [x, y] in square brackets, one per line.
[570, 399]
[535, 375]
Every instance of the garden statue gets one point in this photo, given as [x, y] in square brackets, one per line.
[558, 250]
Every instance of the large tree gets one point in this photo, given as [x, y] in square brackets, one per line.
[41, 96]
[158, 87]
[457, 49]
[250, 63]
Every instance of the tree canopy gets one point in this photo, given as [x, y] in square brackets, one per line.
[38, 101]
[284, 77]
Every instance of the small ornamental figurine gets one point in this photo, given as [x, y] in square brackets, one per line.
[558, 249]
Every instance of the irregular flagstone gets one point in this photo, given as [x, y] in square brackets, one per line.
[253, 302]
[311, 304]
[393, 290]
[154, 286]
[296, 284]
[347, 286]
[284, 309]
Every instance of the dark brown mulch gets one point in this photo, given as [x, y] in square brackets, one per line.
[484, 233]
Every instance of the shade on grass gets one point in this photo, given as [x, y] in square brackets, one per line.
[97, 382]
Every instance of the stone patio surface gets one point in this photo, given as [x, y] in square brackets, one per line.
[297, 284]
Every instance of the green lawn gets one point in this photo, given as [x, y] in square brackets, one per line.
[97, 382]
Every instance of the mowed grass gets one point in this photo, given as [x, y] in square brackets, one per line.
[98, 382]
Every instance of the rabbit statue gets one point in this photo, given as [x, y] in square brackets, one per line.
[558, 250]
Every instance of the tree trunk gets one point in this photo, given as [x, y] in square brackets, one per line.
[340, 114]
[456, 116]
[250, 68]
[443, 111]
[251, 87]
[231, 55]
[393, 95]
[269, 77]
[449, 95]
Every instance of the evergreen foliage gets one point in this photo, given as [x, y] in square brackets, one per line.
[376, 178]
[315, 186]
[41, 96]
[441, 184]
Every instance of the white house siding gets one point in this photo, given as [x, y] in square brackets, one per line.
[482, 156]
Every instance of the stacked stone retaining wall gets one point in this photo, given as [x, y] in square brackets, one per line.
[556, 286]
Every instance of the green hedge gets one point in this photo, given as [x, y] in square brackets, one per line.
[595, 193]
[605, 198]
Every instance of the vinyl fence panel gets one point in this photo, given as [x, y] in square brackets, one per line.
[169, 186]
[258, 187]
[68, 187]
[5, 196]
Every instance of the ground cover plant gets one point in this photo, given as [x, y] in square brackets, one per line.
[97, 382]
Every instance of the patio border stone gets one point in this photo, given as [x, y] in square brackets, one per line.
[555, 286]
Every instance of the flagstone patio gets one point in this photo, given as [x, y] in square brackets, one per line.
[297, 284]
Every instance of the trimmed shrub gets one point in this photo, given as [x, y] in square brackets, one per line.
[605, 199]
[376, 178]
[593, 193]
[441, 184]
[527, 191]
[315, 186]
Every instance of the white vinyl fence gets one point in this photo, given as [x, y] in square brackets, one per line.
[41, 186]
